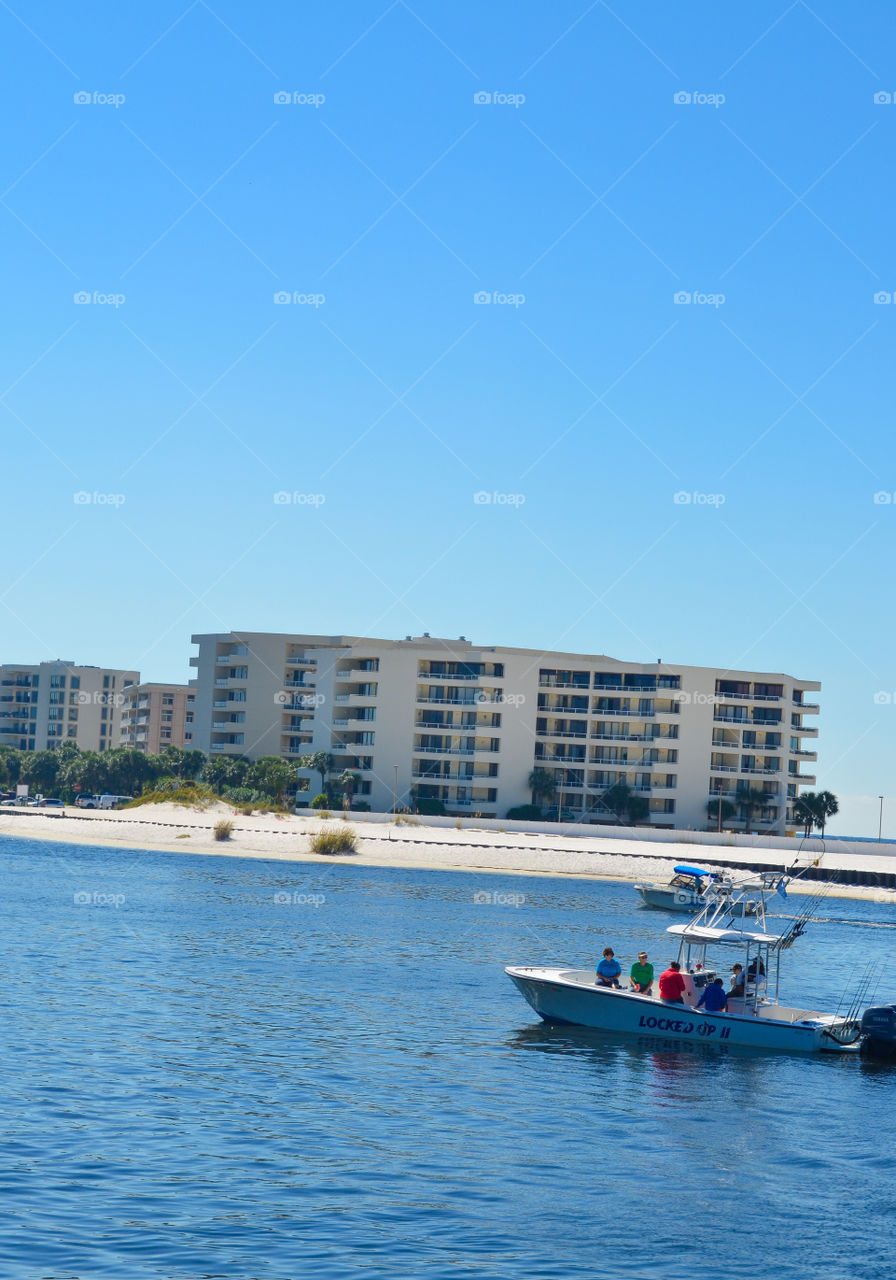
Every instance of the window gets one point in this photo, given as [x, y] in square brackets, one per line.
[57, 682]
[72, 731]
[75, 682]
[189, 717]
[105, 682]
[167, 700]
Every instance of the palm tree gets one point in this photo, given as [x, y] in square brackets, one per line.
[322, 761]
[636, 809]
[542, 784]
[826, 807]
[349, 782]
[720, 810]
[750, 798]
[805, 811]
[617, 799]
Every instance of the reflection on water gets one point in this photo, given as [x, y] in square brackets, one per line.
[208, 1081]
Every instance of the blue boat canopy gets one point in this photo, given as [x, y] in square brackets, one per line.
[692, 871]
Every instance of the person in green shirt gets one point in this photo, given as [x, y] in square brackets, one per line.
[641, 975]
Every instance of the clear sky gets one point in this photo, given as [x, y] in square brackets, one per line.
[618, 156]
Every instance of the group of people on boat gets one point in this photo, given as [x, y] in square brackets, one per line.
[673, 984]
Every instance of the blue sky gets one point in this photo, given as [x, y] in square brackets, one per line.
[180, 197]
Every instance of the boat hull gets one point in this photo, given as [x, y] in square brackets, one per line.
[683, 900]
[570, 996]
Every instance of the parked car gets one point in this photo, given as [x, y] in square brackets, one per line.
[86, 802]
[52, 804]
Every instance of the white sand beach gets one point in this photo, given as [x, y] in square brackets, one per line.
[411, 844]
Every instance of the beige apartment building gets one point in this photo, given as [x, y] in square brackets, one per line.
[466, 724]
[45, 704]
[156, 716]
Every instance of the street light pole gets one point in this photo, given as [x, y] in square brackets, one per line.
[880, 825]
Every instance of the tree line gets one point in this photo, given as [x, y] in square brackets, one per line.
[68, 772]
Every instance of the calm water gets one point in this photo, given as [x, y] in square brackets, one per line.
[203, 1081]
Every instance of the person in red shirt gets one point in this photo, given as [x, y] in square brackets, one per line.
[672, 984]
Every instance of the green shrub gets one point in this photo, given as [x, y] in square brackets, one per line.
[429, 807]
[321, 801]
[525, 813]
[223, 828]
[337, 840]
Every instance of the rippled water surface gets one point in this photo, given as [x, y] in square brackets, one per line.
[205, 1080]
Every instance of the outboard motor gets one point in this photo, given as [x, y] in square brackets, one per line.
[879, 1032]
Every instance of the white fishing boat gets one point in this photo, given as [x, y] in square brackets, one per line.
[692, 888]
[755, 1018]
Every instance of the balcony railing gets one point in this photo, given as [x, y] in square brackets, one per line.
[749, 697]
[451, 702]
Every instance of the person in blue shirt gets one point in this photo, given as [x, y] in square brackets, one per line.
[609, 969]
[713, 998]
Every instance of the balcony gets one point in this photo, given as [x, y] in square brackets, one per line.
[810, 708]
[628, 765]
[303, 683]
[802, 779]
[451, 702]
[805, 731]
[558, 711]
[302, 662]
[557, 733]
[749, 697]
[600, 712]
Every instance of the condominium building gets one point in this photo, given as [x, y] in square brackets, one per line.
[466, 725]
[45, 704]
[156, 716]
